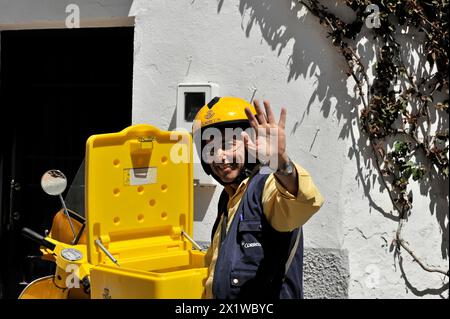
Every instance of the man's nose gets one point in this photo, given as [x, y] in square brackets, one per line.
[223, 155]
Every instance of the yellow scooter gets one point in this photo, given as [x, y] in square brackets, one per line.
[135, 241]
[65, 245]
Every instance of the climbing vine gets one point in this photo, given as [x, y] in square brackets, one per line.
[407, 145]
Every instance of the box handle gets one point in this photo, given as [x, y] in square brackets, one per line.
[191, 240]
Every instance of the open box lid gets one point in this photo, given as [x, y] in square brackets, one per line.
[139, 192]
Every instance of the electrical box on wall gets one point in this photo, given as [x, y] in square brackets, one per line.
[190, 98]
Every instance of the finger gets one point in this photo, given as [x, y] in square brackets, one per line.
[248, 141]
[259, 113]
[270, 116]
[251, 118]
[282, 121]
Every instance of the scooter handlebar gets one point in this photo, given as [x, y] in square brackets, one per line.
[37, 238]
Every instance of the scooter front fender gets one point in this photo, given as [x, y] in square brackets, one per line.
[43, 288]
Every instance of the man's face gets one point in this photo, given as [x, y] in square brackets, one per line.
[227, 156]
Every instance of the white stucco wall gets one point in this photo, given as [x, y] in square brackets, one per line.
[284, 54]
[194, 43]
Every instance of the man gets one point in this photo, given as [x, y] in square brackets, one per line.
[257, 242]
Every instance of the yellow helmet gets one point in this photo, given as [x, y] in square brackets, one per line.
[224, 112]
[220, 112]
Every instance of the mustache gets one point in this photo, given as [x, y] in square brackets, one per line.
[225, 165]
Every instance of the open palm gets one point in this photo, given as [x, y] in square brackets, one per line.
[270, 138]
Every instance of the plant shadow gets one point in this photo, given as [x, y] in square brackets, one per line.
[282, 22]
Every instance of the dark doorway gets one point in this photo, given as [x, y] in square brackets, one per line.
[57, 88]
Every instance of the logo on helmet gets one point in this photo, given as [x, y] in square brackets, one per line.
[209, 114]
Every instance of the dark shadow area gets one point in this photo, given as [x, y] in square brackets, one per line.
[58, 87]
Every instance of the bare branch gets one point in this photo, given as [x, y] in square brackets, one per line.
[400, 241]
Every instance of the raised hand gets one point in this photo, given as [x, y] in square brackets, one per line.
[270, 139]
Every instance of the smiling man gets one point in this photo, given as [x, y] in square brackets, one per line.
[257, 240]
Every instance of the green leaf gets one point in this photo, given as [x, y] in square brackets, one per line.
[445, 171]
[398, 146]
[417, 173]
[407, 173]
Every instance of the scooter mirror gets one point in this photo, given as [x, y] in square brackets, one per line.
[54, 182]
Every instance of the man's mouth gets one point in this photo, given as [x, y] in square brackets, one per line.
[226, 166]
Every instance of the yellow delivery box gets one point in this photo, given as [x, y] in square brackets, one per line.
[139, 209]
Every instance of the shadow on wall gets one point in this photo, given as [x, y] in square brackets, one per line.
[428, 291]
[281, 23]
